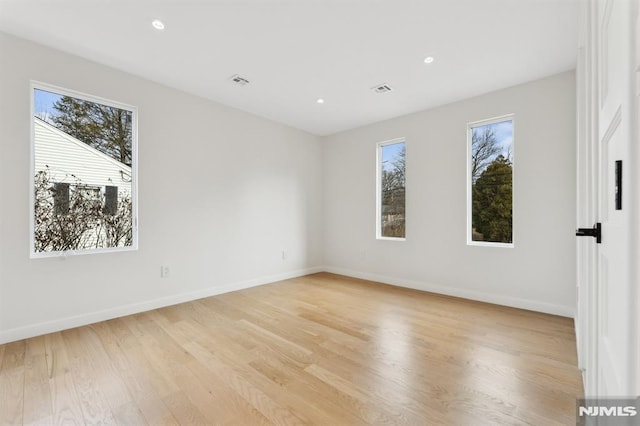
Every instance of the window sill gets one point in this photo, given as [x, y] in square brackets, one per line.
[489, 244]
[391, 238]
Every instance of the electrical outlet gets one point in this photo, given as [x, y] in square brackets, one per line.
[164, 271]
[284, 255]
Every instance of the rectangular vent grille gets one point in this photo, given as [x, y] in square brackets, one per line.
[382, 88]
[239, 80]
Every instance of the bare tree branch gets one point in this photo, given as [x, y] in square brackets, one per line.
[484, 149]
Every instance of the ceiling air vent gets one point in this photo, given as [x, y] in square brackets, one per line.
[239, 80]
[382, 88]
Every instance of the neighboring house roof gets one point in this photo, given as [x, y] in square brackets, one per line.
[63, 156]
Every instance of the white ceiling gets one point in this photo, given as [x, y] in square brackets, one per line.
[295, 51]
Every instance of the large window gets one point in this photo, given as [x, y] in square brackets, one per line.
[391, 190]
[490, 190]
[83, 173]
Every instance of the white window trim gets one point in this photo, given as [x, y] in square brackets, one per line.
[470, 126]
[134, 171]
[379, 147]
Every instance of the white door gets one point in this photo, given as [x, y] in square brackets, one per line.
[615, 116]
[608, 274]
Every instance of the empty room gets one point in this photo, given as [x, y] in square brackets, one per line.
[330, 212]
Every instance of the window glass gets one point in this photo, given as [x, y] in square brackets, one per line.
[391, 189]
[83, 163]
[491, 181]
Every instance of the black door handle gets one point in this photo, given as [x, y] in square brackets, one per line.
[596, 232]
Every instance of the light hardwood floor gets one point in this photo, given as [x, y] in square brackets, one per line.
[321, 349]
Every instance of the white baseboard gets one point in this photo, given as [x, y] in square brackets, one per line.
[514, 302]
[25, 332]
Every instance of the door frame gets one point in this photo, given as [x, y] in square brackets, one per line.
[586, 198]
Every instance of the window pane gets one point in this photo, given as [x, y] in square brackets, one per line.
[392, 190]
[83, 161]
[491, 172]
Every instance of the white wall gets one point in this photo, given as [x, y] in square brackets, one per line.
[539, 273]
[222, 193]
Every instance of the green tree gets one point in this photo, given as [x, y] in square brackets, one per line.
[493, 201]
[108, 129]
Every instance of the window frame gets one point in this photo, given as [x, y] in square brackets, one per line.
[38, 85]
[379, 147]
[470, 126]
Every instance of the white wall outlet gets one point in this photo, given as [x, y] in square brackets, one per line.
[284, 255]
[164, 271]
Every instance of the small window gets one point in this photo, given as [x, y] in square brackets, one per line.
[391, 190]
[83, 173]
[89, 194]
[490, 182]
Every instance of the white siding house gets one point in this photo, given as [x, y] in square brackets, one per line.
[68, 159]
[82, 196]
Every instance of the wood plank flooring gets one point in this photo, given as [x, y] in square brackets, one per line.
[321, 349]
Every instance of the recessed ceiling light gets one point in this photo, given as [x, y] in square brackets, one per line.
[158, 24]
[320, 100]
[428, 59]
